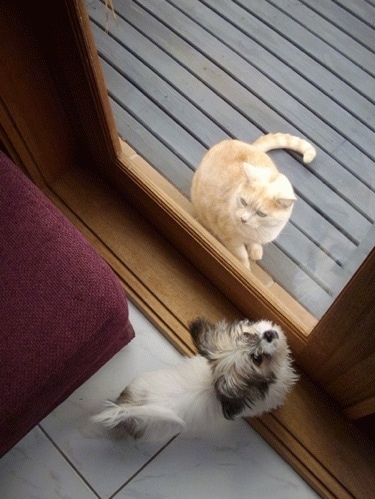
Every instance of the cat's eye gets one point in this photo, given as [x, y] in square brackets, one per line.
[243, 202]
[261, 214]
[257, 359]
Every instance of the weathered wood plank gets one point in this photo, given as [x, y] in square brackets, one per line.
[212, 76]
[293, 241]
[151, 53]
[151, 149]
[180, 79]
[242, 99]
[303, 51]
[361, 9]
[341, 42]
[295, 280]
[309, 257]
[153, 117]
[278, 81]
[158, 89]
[344, 20]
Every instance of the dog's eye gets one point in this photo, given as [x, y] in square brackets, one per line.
[243, 202]
[257, 359]
[248, 338]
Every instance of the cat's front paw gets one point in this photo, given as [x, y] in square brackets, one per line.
[255, 251]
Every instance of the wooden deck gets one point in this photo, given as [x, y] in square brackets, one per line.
[185, 74]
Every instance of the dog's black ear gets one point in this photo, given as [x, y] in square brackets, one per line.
[231, 403]
[231, 407]
[198, 329]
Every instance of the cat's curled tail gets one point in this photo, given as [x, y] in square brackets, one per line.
[286, 141]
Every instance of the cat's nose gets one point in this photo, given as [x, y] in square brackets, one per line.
[270, 335]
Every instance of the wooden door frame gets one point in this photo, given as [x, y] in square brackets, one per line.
[55, 120]
[322, 347]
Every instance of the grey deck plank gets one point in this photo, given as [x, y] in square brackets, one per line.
[310, 258]
[241, 98]
[177, 139]
[216, 79]
[137, 102]
[301, 50]
[313, 128]
[150, 148]
[344, 20]
[295, 281]
[275, 260]
[296, 171]
[229, 43]
[321, 232]
[176, 89]
[361, 9]
[344, 151]
[158, 90]
[341, 42]
[164, 65]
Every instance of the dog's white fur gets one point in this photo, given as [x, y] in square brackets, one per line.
[243, 369]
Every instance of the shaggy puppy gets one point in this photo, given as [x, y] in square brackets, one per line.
[242, 369]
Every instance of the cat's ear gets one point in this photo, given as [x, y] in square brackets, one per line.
[285, 203]
[253, 173]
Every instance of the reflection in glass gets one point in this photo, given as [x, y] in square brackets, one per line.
[181, 77]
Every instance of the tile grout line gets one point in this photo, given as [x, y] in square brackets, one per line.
[65, 457]
[143, 467]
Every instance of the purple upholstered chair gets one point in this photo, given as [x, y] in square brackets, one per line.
[63, 313]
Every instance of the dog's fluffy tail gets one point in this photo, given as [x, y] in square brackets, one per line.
[151, 423]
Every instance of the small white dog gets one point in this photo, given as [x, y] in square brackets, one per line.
[243, 369]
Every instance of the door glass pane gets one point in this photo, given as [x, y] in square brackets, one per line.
[183, 75]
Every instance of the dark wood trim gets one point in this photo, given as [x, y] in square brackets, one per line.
[34, 123]
[340, 353]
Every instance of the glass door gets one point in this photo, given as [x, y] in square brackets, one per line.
[183, 77]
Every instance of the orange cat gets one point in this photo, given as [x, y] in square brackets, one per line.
[239, 195]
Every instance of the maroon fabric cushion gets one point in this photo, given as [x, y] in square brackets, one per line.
[63, 312]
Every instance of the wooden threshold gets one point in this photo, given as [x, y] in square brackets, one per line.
[308, 431]
[172, 214]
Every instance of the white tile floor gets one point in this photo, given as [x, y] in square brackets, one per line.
[67, 456]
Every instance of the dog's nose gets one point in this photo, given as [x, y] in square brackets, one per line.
[270, 335]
